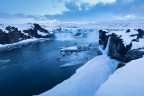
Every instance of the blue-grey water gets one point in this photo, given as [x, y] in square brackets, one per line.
[32, 69]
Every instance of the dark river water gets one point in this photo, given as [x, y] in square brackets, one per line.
[32, 69]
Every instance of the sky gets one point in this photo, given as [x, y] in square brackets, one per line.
[71, 10]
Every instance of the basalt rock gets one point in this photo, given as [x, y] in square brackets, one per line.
[117, 49]
[103, 38]
[12, 34]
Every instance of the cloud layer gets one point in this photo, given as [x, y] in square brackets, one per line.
[72, 10]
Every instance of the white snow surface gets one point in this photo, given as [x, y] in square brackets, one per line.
[42, 33]
[125, 36]
[87, 79]
[71, 48]
[126, 81]
[139, 44]
[22, 42]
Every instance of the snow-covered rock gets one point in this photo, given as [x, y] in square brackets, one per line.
[14, 33]
[124, 44]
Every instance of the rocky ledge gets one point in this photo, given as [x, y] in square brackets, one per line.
[12, 34]
[123, 45]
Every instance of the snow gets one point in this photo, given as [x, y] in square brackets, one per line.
[2, 27]
[42, 33]
[76, 58]
[126, 81]
[77, 54]
[4, 61]
[27, 41]
[87, 79]
[71, 48]
[139, 44]
[126, 37]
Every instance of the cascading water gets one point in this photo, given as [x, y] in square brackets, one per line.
[92, 36]
[64, 36]
[88, 35]
[107, 46]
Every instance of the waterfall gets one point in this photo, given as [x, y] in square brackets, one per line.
[92, 36]
[107, 46]
[64, 36]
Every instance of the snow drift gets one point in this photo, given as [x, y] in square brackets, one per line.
[87, 79]
[126, 81]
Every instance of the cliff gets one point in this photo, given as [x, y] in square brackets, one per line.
[122, 43]
[12, 34]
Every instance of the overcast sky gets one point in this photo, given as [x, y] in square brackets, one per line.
[72, 10]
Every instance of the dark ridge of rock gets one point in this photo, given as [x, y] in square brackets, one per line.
[34, 31]
[16, 36]
[133, 55]
[3, 39]
[103, 38]
[38, 27]
[120, 65]
[13, 35]
[117, 50]
[140, 33]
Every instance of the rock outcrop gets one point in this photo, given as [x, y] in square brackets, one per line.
[11, 34]
[117, 49]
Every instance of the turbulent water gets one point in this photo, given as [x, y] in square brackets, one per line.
[90, 36]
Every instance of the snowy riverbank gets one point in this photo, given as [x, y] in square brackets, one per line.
[87, 79]
[20, 43]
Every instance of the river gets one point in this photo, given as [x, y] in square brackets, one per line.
[33, 69]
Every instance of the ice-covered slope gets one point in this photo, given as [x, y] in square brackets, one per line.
[87, 79]
[126, 81]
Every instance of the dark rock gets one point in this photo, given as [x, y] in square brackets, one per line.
[133, 55]
[34, 31]
[120, 65]
[117, 50]
[128, 31]
[3, 39]
[140, 33]
[133, 35]
[14, 35]
[103, 38]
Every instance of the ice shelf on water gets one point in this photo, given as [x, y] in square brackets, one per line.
[4, 61]
[23, 42]
[77, 54]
